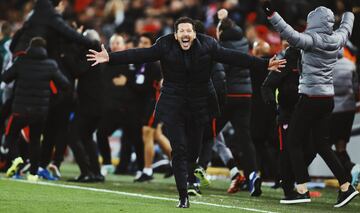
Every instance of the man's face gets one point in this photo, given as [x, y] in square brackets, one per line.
[117, 44]
[185, 35]
[144, 42]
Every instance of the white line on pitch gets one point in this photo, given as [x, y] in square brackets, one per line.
[136, 195]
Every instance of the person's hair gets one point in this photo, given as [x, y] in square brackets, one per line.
[114, 36]
[6, 29]
[55, 3]
[182, 20]
[38, 42]
[199, 26]
[226, 24]
[92, 35]
[149, 36]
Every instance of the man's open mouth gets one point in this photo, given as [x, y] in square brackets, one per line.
[185, 42]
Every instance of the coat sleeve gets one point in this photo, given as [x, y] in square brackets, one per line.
[10, 74]
[237, 58]
[59, 78]
[343, 33]
[300, 40]
[64, 29]
[137, 55]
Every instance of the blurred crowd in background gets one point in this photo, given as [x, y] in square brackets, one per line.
[136, 17]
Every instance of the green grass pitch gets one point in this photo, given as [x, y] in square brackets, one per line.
[120, 194]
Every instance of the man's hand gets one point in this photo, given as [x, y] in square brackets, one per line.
[120, 80]
[275, 64]
[98, 57]
[267, 7]
[222, 14]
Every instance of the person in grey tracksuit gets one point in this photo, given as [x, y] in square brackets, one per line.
[346, 88]
[320, 45]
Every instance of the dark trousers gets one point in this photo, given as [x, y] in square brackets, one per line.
[286, 174]
[36, 124]
[238, 112]
[341, 126]
[312, 116]
[82, 144]
[128, 120]
[205, 154]
[185, 136]
[125, 156]
[56, 134]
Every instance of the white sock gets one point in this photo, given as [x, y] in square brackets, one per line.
[233, 172]
[148, 171]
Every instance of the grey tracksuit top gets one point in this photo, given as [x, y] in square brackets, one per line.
[320, 45]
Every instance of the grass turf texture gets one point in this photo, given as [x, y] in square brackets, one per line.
[23, 197]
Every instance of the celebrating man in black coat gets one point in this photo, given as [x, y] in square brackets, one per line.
[186, 59]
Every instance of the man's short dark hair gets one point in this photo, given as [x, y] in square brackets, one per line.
[226, 24]
[182, 20]
[38, 42]
[150, 36]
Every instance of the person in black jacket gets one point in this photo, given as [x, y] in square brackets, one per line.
[263, 118]
[32, 74]
[186, 59]
[286, 83]
[121, 109]
[88, 112]
[46, 21]
[237, 109]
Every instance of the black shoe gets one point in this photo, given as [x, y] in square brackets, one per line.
[255, 185]
[193, 190]
[98, 178]
[183, 203]
[82, 179]
[345, 197]
[143, 178]
[296, 197]
[276, 185]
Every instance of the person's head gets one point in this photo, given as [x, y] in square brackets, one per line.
[321, 20]
[261, 48]
[199, 26]
[92, 35]
[225, 24]
[117, 43]
[5, 29]
[146, 40]
[37, 42]
[185, 33]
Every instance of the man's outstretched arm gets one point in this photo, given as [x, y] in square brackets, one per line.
[295, 39]
[131, 56]
[347, 22]
[237, 58]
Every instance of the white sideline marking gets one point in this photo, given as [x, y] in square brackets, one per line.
[137, 195]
